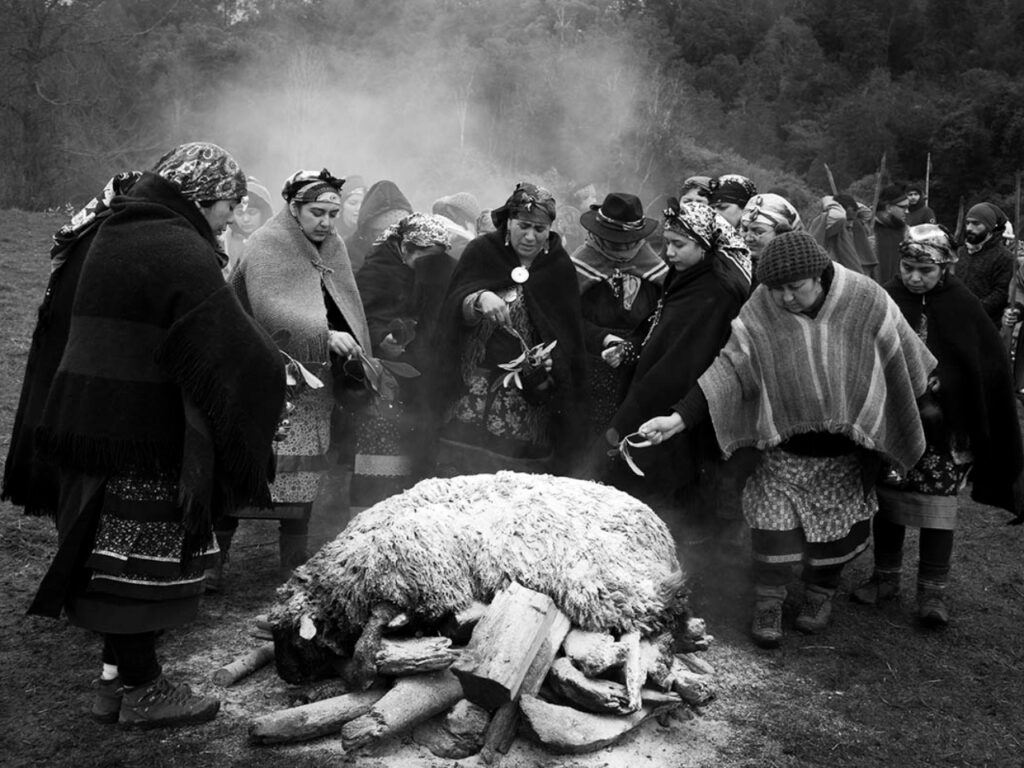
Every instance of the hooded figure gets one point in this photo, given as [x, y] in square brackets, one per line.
[383, 205]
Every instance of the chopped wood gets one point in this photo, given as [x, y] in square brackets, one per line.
[414, 656]
[504, 645]
[410, 701]
[458, 734]
[312, 720]
[593, 652]
[696, 663]
[633, 670]
[244, 666]
[502, 729]
[565, 730]
[588, 693]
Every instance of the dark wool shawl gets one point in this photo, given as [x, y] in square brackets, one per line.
[29, 480]
[889, 233]
[855, 369]
[156, 337]
[987, 274]
[975, 383]
[553, 303]
[281, 280]
[391, 291]
[696, 308]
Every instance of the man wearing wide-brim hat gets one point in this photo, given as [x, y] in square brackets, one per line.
[620, 278]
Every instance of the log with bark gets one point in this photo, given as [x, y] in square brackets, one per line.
[312, 720]
[413, 656]
[244, 666]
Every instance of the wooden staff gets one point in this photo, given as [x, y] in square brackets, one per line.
[878, 185]
[831, 180]
[958, 233]
[927, 177]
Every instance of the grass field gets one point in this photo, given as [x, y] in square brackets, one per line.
[874, 691]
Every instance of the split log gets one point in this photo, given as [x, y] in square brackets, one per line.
[504, 645]
[244, 666]
[696, 663]
[633, 670]
[591, 694]
[458, 734]
[695, 689]
[502, 730]
[593, 652]
[414, 656]
[565, 730]
[313, 720]
[410, 701]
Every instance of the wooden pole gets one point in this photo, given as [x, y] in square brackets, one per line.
[831, 180]
[927, 177]
[878, 185]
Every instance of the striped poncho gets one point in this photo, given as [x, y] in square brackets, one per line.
[856, 370]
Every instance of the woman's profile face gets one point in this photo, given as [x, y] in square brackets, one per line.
[316, 219]
[730, 212]
[797, 296]
[350, 209]
[220, 214]
[681, 251]
[527, 238]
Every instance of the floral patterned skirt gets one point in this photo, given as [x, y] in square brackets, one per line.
[926, 495]
[302, 455]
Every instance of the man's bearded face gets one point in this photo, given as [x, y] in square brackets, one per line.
[975, 232]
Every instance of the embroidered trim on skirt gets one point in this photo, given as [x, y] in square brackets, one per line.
[302, 455]
[383, 463]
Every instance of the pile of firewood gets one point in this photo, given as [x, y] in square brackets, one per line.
[515, 666]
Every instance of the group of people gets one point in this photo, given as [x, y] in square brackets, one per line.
[717, 360]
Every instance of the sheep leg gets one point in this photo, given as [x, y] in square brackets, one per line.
[365, 655]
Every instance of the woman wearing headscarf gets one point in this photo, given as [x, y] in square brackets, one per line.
[253, 213]
[352, 195]
[695, 189]
[155, 425]
[383, 205]
[513, 291]
[620, 279]
[973, 426]
[822, 375]
[297, 282]
[401, 284]
[764, 217]
[665, 354]
[729, 196]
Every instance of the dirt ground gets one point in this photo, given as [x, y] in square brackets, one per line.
[873, 691]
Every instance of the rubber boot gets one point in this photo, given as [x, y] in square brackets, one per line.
[213, 577]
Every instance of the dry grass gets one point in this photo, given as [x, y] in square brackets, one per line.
[874, 691]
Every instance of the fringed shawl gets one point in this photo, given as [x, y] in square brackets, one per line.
[155, 337]
[856, 369]
[279, 281]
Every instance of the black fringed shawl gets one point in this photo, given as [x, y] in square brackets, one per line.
[553, 303]
[157, 339]
[975, 383]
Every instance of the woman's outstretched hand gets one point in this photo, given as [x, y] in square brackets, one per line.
[661, 428]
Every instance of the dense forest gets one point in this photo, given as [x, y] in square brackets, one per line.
[443, 95]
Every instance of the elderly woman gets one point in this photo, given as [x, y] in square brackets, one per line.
[764, 217]
[974, 425]
[666, 353]
[510, 355]
[401, 285]
[620, 279]
[296, 281]
[729, 196]
[822, 375]
[154, 424]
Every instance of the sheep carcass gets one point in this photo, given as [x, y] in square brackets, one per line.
[605, 559]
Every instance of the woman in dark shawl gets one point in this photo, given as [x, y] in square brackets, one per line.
[975, 426]
[155, 425]
[706, 285]
[513, 291]
[401, 284]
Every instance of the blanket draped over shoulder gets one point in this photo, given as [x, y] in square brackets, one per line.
[975, 383]
[279, 282]
[163, 369]
[856, 369]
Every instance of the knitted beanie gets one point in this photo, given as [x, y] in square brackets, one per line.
[990, 215]
[790, 257]
[461, 207]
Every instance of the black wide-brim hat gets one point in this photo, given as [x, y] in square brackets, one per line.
[619, 219]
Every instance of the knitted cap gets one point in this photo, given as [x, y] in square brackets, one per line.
[790, 257]
[989, 215]
[460, 207]
[892, 194]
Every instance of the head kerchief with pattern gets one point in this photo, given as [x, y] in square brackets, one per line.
[117, 185]
[928, 244]
[703, 224]
[312, 186]
[772, 209]
[423, 230]
[527, 202]
[732, 188]
[202, 172]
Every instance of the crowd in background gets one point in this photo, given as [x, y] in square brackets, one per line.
[791, 387]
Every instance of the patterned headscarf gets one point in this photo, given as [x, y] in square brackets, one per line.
[772, 209]
[202, 172]
[118, 185]
[704, 225]
[423, 230]
[928, 244]
[732, 188]
[312, 186]
[529, 203]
